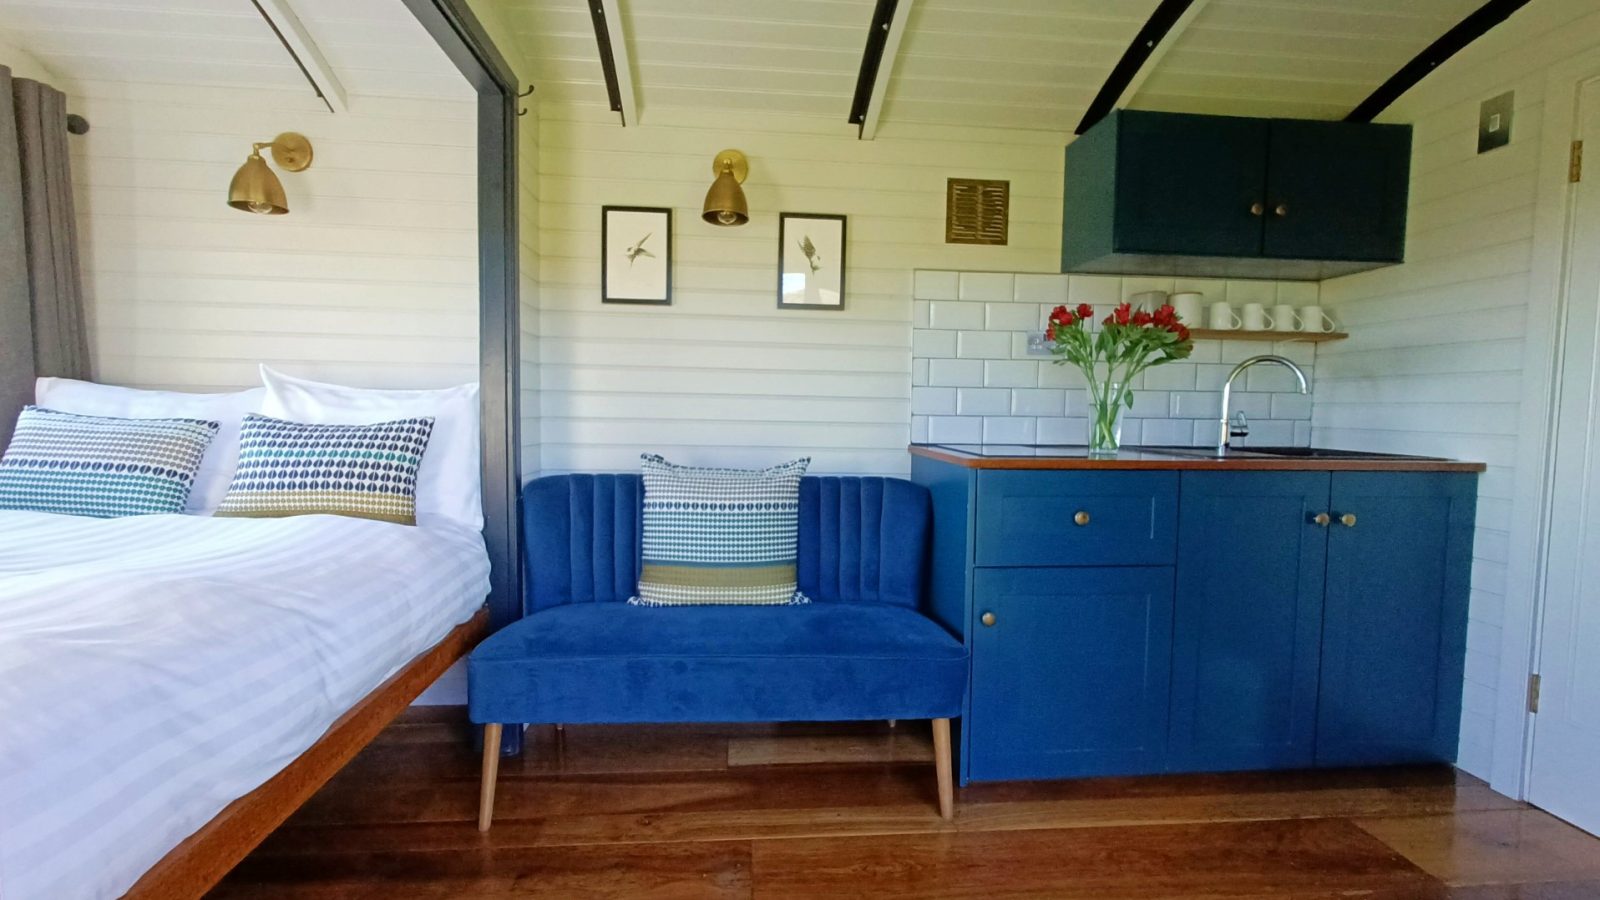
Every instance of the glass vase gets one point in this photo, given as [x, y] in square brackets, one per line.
[1105, 420]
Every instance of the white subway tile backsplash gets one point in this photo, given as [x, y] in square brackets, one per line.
[955, 430]
[955, 314]
[1011, 373]
[987, 286]
[926, 344]
[983, 345]
[1173, 376]
[929, 284]
[1038, 402]
[1008, 430]
[1207, 432]
[983, 401]
[1051, 289]
[933, 401]
[1011, 317]
[1070, 430]
[973, 379]
[955, 372]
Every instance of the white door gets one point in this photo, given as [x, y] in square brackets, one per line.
[1565, 773]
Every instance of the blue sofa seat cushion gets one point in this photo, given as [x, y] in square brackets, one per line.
[604, 662]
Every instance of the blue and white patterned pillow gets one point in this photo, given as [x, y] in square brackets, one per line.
[297, 469]
[720, 536]
[100, 466]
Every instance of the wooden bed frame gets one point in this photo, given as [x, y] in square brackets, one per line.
[196, 865]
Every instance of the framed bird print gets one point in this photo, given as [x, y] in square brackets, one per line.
[810, 261]
[636, 255]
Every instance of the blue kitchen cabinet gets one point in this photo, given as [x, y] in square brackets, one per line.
[1248, 620]
[1395, 617]
[1070, 672]
[1160, 193]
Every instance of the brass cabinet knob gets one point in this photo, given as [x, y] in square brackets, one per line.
[1281, 210]
[1257, 208]
[1322, 519]
[1348, 520]
[987, 619]
[1080, 518]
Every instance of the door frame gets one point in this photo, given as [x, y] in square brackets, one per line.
[1533, 487]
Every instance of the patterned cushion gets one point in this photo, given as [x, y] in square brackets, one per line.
[99, 466]
[719, 536]
[295, 469]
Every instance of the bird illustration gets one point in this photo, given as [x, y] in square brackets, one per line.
[638, 250]
[810, 250]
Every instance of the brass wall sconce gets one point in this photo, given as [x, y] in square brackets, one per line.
[255, 189]
[725, 203]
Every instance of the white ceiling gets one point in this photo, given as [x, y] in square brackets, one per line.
[994, 63]
[375, 47]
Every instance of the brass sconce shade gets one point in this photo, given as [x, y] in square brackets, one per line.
[255, 188]
[725, 203]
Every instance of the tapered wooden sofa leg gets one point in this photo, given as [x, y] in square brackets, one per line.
[941, 766]
[491, 771]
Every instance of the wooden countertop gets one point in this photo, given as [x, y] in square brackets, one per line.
[976, 456]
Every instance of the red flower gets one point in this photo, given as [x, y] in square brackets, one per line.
[1061, 316]
[1142, 318]
[1050, 332]
[1183, 332]
[1166, 315]
[1085, 311]
[1123, 312]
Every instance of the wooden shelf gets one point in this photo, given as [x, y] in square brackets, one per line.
[1239, 334]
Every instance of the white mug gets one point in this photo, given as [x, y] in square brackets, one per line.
[1313, 319]
[1188, 306]
[1284, 318]
[1222, 317]
[1147, 301]
[1255, 317]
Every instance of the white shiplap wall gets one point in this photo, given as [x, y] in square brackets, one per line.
[22, 63]
[370, 280]
[1435, 359]
[723, 376]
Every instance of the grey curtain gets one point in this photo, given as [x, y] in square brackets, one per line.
[41, 298]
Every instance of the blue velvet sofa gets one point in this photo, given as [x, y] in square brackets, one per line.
[860, 650]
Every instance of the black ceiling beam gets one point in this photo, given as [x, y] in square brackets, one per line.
[1133, 59]
[1465, 32]
[608, 60]
[871, 59]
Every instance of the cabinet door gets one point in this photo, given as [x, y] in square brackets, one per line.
[1248, 620]
[1071, 679]
[1186, 183]
[1337, 190]
[1395, 617]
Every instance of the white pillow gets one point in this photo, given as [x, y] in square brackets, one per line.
[448, 480]
[228, 410]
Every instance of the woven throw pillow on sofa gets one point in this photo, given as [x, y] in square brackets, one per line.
[296, 469]
[101, 466]
[719, 536]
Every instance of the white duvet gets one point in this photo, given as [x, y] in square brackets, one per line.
[155, 668]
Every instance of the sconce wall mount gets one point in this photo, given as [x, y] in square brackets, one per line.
[725, 202]
[255, 189]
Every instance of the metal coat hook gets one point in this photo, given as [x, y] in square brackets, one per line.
[526, 93]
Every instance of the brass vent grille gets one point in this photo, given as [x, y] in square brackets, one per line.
[976, 211]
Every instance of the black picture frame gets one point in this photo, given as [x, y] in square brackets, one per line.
[607, 258]
[838, 251]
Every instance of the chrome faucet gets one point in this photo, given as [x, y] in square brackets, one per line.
[1227, 391]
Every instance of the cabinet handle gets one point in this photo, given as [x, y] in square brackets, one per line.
[1281, 210]
[1257, 208]
[1322, 519]
[1080, 518]
[1348, 520]
[987, 619]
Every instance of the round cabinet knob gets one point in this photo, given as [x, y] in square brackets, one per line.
[1281, 210]
[1257, 209]
[1080, 518]
[1322, 519]
[987, 619]
[1348, 520]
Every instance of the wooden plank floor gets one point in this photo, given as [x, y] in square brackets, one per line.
[839, 811]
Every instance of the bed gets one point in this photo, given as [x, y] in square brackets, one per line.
[172, 686]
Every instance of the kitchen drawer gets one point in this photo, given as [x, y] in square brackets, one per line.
[1076, 518]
